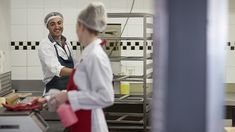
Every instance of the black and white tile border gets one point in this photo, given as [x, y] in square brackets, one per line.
[111, 45]
[231, 45]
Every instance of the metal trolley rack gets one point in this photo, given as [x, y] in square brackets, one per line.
[132, 111]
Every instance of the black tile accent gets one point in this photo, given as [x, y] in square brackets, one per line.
[16, 47]
[232, 48]
[33, 47]
[20, 43]
[124, 47]
[120, 43]
[78, 43]
[137, 43]
[71, 42]
[24, 47]
[107, 48]
[37, 43]
[128, 43]
[229, 43]
[111, 44]
[141, 48]
[28, 43]
[12, 43]
[149, 47]
[132, 47]
[74, 47]
[114, 48]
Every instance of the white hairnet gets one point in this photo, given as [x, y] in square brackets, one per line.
[51, 16]
[94, 16]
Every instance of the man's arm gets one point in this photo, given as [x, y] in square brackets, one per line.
[65, 71]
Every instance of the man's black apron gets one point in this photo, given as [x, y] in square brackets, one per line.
[60, 82]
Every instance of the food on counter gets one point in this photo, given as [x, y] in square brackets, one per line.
[23, 95]
[12, 98]
[34, 105]
[2, 101]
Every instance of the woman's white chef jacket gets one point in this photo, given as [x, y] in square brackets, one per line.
[93, 77]
[50, 65]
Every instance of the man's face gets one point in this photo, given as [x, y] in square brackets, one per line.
[55, 27]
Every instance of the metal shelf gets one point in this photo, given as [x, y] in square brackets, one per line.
[131, 111]
[128, 127]
[125, 118]
[127, 38]
[128, 58]
[132, 78]
[4, 92]
[118, 15]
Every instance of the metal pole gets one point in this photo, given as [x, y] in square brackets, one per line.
[145, 73]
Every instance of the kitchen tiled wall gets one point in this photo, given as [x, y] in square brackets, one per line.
[5, 36]
[27, 29]
[230, 48]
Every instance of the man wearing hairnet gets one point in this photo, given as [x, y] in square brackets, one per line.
[90, 86]
[55, 54]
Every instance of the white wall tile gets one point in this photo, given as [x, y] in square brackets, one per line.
[19, 73]
[230, 57]
[230, 75]
[35, 4]
[36, 16]
[106, 3]
[70, 16]
[35, 32]
[18, 16]
[18, 32]
[45, 32]
[136, 21]
[76, 53]
[119, 6]
[231, 33]
[32, 58]
[139, 70]
[132, 67]
[149, 6]
[135, 30]
[34, 73]
[27, 24]
[116, 67]
[70, 32]
[138, 6]
[125, 31]
[83, 3]
[5, 35]
[18, 58]
[231, 18]
[18, 4]
[70, 3]
[52, 3]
